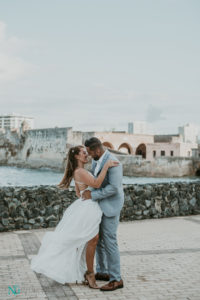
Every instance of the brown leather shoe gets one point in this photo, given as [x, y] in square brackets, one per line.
[102, 276]
[112, 285]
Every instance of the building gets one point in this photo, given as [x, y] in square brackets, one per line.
[137, 127]
[14, 121]
[130, 128]
[148, 146]
[140, 127]
[189, 133]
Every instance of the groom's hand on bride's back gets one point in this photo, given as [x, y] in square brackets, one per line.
[86, 195]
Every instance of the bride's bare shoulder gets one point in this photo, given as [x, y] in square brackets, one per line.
[81, 171]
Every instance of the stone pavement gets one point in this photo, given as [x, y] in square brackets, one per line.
[160, 259]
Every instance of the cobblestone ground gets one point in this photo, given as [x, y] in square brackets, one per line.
[160, 259]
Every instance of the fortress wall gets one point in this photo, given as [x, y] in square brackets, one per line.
[48, 147]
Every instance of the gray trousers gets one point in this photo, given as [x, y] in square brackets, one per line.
[107, 252]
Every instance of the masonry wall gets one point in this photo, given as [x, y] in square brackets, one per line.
[158, 147]
[43, 206]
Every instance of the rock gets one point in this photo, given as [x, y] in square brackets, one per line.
[5, 214]
[12, 207]
[51, 218]
[39, 219]
[167, 212]
[52, 223]
[49, 210]
[146, 212]
[42, 212]
[36, 226]
[147, 193]
[16, 201]
[138, 217]
[193, 202]
[5, 222]
[158, 205]
[35, 212]
[19, 220]
[153, 211]
[31, 221]
[11, 227]
[8, 194]
[175, 206]
[27, 226]
[183, 205]
[148, 203]
[56, 209]
[138, 212]
[2, 228]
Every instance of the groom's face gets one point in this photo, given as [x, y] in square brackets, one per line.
[95, 154]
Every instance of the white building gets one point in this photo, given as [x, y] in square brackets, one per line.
[189, 133]
[14, 121]
[139, 127]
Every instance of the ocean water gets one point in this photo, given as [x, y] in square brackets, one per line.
[13, 176]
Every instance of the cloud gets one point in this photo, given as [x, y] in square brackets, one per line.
[154, 114]
[12, 65]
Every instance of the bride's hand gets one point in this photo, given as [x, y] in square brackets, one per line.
[112, 163]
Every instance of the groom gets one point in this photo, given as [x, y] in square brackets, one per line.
[110, 198]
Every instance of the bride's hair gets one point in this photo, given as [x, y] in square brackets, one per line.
[72, 164]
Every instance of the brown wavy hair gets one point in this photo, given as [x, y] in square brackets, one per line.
[71, 165]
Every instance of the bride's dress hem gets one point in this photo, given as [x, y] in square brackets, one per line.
[62, 255]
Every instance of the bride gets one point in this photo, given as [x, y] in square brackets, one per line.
[67, 253]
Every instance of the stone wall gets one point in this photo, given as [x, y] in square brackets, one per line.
[159, 167]
[38, 148]
[43, 206]
[42, 148]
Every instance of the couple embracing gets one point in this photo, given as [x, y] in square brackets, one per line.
[89, 224]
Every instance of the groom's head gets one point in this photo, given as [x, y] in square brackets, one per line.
[94, 147]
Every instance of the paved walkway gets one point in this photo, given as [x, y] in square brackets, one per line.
[160, 259]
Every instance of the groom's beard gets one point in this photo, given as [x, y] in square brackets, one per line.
[96, 157]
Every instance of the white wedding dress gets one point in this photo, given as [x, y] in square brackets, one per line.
[62, 255]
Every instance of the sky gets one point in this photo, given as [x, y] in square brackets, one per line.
[99, 64]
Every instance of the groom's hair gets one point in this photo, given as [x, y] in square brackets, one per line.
[93, 143]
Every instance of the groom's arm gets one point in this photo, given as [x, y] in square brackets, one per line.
[115, 175]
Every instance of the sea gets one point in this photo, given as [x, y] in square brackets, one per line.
[14, 176]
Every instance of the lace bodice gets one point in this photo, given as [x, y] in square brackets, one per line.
[81, 185]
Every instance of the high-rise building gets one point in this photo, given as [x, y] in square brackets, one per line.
[130, 128]
[137, 127]
[189, 133]
[14, 121]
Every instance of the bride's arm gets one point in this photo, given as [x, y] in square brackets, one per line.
[88, 179]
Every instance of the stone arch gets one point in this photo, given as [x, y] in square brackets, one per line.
[197, 172]
[126, 148]
[108, 145]
[141, 150]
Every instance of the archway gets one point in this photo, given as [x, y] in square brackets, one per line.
[197, 172]
[126, 148]
[108, 145]
[141, 150]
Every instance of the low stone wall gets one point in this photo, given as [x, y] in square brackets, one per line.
[43, 206]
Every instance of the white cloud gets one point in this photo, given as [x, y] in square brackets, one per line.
[154, 114]
[12, 66]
